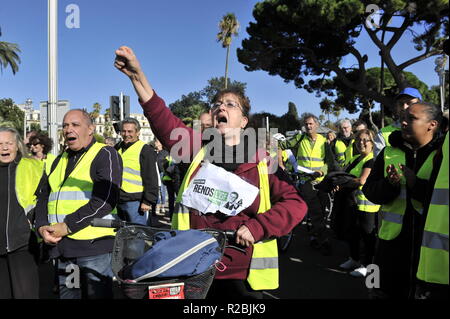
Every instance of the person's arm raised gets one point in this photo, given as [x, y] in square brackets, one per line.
[127, 62]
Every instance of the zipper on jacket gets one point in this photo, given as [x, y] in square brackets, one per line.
[7, 210]
[177, 260]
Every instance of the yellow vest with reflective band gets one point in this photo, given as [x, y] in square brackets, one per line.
[343, 152]
[131, 176]
[433, 262]
[386, 131]
[67, 196]
[312, 158]
[263, 273]
[169, 159]
[393, 212]
[28, 175]
[339, 149]
[48, 163]
[362, 202]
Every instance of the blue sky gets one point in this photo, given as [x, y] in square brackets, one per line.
[175, 41]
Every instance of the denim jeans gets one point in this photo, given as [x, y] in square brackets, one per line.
[132, 212]
[162, 192]
[85, 277]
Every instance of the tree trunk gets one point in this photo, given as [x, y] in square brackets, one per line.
[226, 67]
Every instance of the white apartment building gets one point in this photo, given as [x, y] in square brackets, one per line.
[146, 133]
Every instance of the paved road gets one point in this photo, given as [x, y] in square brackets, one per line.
[304, 273]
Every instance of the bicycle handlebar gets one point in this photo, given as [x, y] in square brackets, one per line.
[108, 223]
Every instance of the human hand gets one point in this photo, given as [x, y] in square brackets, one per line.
[126, 61]
[47, 233]
[393, 176]
[145, 208]
[317, 174]
[335, 189]
[59, 229]
[244, 237]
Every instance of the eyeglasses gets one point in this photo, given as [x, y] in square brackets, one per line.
[34, 144]
[228, 104]
[364, 141]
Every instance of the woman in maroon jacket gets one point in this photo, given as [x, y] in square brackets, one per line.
[230, 114]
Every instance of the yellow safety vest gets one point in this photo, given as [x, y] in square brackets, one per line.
[312, 158]
[344, 153]
[28, 175]
[131, 176]
[48, 163]
[386, 131]
[68, 195]
[263, 272]
[166, 177]
[362, 202]
[433, 262]
[393, 212]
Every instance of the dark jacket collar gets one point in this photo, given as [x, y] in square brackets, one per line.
[396, 140]
[81, 151]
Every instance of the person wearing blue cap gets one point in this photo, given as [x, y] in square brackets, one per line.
[403, 100]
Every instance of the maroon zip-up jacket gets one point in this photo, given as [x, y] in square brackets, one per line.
[288, 208]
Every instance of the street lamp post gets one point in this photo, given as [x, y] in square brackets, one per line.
[27, 108]
[440, 70]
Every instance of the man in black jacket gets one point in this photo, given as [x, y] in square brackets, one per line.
[89, 253]
[397, 256]
[139, 190]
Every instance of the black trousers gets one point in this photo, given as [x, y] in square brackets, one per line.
[316, 201]
[362, 236]
[19, 277]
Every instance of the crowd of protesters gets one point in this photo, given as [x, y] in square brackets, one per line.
[389, 190]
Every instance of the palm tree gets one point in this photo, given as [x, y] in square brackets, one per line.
[9, 56]
[228, 26]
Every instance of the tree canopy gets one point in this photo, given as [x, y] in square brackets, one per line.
[11, 115]
[9, 56]
[195, 103]
[302, 39]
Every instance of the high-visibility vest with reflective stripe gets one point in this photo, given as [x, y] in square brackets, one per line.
[170, 162]
[362, 202]
[263, 273]
[48, 163]
[28, 175]
[433, 262]
[312, 158]
[131, 176]
[339, 149]
[344, 153]
[386, 131]
[393, 212]
[67, 196]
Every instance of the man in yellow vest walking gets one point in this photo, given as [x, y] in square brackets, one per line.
[83, 184]
[314, 153]
[139, 189]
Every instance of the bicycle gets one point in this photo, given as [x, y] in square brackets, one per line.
[133, 240]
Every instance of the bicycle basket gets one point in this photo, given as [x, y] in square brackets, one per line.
[132, 242]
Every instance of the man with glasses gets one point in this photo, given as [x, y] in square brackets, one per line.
[407, 97]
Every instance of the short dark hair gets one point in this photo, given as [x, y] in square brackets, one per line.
[433, 111]
[358, 123]
[309, 116]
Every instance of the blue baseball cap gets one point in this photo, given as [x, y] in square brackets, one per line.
[414, 93]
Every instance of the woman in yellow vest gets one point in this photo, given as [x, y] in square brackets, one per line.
[362, 214]
[433, 263]
[40, 146]
[20, 177]
[399, 181]
[266, 206]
